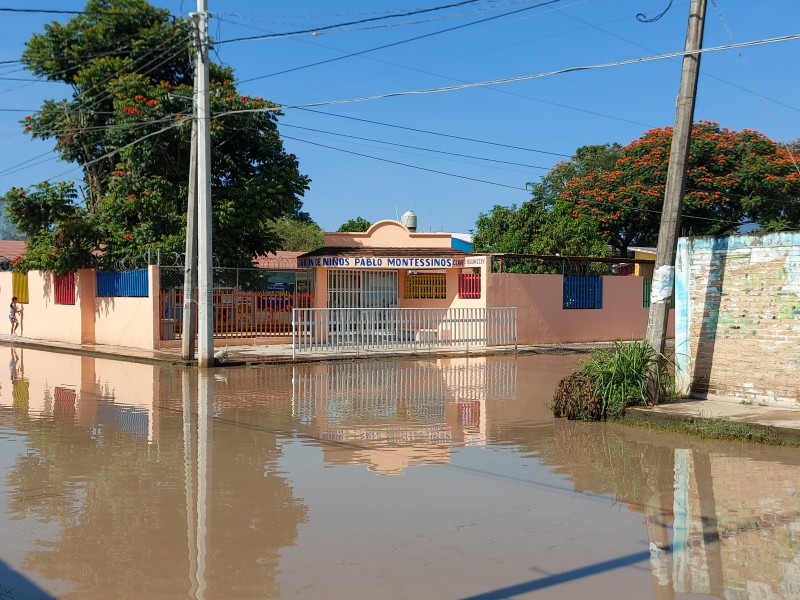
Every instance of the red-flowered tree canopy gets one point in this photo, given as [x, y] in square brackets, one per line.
[733, 177]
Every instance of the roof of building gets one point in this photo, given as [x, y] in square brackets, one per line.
[10, 249]
[388, 252]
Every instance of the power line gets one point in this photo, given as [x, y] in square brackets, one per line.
[413, 39]
[519, 78]
[339, 25]
[365, 139]
[496, 90]
[447, 135]
[604, 202]
[394, 162]
[705, 72]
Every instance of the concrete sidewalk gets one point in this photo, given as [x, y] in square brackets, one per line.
[280, 353]
[782, 421]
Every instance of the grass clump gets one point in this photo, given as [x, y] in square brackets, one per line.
[608, 382]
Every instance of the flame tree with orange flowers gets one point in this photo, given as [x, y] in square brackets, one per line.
[734, 178]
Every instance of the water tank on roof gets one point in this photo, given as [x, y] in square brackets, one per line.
[409, 219]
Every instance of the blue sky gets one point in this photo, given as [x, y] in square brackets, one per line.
[520, 129]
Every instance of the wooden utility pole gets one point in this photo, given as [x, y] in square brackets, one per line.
[664, 274]
[205, 276]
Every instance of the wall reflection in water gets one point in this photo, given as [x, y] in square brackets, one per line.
[392, 415]
[722, 519]
[146, 481]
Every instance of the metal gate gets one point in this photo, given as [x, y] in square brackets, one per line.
[354, 292]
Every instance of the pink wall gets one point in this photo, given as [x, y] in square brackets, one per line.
[128, 322]
[131, 322]
[89, 378]
[541, 318]
[42, 318]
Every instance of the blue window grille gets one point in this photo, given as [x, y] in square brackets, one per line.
[584, 291]
[128, 284]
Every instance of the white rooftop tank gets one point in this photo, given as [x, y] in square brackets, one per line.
[409, 219]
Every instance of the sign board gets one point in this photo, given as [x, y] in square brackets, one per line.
[391, 262]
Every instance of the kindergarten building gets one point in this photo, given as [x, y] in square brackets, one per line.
[391, 287]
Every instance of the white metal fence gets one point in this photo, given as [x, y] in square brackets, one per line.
[365, 329]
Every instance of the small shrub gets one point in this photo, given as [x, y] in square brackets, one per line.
[610, 381]
[575, 399]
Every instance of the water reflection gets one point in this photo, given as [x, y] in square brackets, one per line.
[120, 479]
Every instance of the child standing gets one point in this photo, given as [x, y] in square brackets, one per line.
[13, 311]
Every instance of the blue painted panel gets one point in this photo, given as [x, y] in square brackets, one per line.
[457, 244]
[583, 291]
[129, 284]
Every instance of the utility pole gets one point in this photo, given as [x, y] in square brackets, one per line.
[205, 357]
[190, 268]
[664, 275]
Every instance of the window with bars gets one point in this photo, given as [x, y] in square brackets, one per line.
[362, 289]
[583, 291]
[469, 285]
[428, 285]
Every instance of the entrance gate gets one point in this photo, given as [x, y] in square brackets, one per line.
[355, 293]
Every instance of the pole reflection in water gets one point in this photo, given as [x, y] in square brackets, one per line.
[387, 479]
[205, 406]
[189, 384]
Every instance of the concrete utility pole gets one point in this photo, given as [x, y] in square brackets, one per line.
[664, 275]
[205, 356]
[190, 268]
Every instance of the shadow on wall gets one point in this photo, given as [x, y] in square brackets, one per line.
[707, 336]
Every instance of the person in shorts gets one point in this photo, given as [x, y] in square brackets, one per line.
[13, 311]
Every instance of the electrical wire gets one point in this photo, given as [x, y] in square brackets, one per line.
[355, 137]
[605, 203]
[432, 19]
[394, 162]
[339, 25]
[753, 80]
[495, 90]
[405, 41]
[520, 78]
[115, 151]
[646, 49]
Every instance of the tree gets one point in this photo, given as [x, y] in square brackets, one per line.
[297, 235]
[128, 126]
[544, 224]
[353, 225]
[61, 235]
[733, 178]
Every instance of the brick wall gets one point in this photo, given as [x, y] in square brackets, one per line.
[738, 318]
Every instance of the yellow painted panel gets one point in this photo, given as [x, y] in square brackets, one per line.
[19, 286]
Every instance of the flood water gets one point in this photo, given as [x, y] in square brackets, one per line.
[382, 479]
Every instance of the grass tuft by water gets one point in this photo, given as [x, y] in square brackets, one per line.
[608, 382]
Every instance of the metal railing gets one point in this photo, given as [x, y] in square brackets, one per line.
[368, 329]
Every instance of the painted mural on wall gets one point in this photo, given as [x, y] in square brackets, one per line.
[738, 317]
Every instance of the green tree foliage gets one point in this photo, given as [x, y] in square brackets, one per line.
[732, 178]
[128, 126]
[545, 224]
[61, 234]
[355, 225]
[297, 235]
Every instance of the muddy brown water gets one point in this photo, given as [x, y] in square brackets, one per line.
[376, 479]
